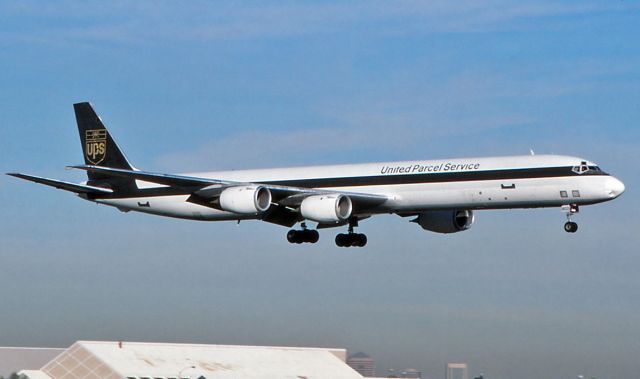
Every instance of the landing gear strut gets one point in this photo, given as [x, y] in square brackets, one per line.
[302, 236]
[570, 210]
[351, 239]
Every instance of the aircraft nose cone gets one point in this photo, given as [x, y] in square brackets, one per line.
[615, 187]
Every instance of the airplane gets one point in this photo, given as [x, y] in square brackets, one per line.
[439, 195]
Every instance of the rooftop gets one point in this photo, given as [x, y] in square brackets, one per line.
[87, 359]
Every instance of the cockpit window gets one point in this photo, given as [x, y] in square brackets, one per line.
[588, 170]
[580, 169]
[599, 171]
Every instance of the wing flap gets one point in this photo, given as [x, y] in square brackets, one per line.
[67, 186]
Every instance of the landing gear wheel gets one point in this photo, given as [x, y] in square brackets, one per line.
[570, 227]
[341, 240]
[292, 236]
[351, 240]
[570, 210]
[311, 236]
[303, 236]
[360, 240]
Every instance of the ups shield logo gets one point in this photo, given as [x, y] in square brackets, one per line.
[95, 145]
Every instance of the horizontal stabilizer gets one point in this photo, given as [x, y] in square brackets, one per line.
[72, 187]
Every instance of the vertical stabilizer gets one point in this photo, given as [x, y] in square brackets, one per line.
[98, 146]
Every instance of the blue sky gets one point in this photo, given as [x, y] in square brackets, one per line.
[222, 85]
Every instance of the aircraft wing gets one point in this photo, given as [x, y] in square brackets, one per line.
[205, 191]
[67, 186]
[165, 179]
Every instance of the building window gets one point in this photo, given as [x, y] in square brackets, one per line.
[563, 194]
[575, 193]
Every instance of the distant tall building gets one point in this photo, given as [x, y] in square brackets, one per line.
[457, 371]
[363, 364]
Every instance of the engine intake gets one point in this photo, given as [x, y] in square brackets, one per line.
[445, 221]
[326, 209]
[245, 199]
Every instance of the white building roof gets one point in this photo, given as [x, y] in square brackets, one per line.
[160, 360]
[34, 374]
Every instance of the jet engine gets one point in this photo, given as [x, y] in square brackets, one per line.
[445, 221]
[326, 209]
[245, 199]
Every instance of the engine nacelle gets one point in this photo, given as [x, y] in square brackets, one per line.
[245, 199]
[326, 209]
[445, 221]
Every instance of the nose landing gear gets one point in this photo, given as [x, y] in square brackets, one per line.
[570, 210]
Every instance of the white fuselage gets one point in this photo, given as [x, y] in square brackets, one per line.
[414, 186]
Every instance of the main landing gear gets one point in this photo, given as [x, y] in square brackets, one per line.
[570, 210]
[351, 239]
[303, 236]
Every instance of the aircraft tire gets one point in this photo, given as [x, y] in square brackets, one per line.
[351, 240]
[312, 236]
[341, 240]
[360, 240]
[302, 236]
[293, 236]
[570, 227]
